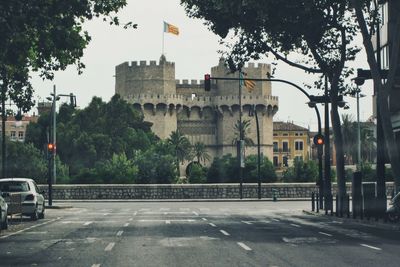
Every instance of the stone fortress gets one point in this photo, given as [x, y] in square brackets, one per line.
[207, 117]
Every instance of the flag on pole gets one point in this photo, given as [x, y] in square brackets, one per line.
[249, 84]
[169, 28]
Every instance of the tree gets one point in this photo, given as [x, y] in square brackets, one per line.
[181, 146]
[301, 172]
[245, 132]
[267, 171]
[349, 132]
[367, 20]
[200, 152]
[197, 174]
[321, 31]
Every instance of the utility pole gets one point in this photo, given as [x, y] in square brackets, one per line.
[54, 135]
[240, 145]
[327, 152]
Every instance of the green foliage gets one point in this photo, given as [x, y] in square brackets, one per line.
[24, 160]
[226, 170]
[200, 152]
[119, 169]
[181, 147]
[197, 174]
[301, 172]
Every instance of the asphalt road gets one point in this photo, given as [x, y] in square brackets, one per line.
[195, 234]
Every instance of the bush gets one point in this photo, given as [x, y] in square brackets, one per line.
[197, 174]
[301, 172]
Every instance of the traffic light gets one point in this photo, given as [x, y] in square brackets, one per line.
[319, 139]
[207, 82]
[51, 147]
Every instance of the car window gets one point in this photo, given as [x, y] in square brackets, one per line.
[14, 186]
[36, 187]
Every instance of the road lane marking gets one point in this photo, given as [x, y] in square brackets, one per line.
[276, 220]
[244, 246]
[322, 233]
[204, 219]
[87, 223]
[29, 228]
[195, 213]
[165, 209]
[213, 225]
[295, 225]
[105, 214]
[130, 219]
[167, 222]
[184, 220]
[96, 265]
[109, 246]
[368, 246]
[246, 222]
[224, 232]
[134, 214]
[119, 233]
[126, 225]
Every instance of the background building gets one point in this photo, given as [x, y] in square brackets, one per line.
[207, 117]
[290, 141]
[16, 130]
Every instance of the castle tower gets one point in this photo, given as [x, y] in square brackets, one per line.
[152, 90]
[207, 117]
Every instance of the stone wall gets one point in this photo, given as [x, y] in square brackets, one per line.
[185, 191]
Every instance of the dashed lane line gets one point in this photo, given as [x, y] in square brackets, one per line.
[134, 214]
[204, 219]
[126, 225]
[130, 219]
[276, 220]
[244, 246]
[371, 247]
[195, 213]
[87, 223]
[224, 232]
[96, 265]
[322, 233]
[295, 225]
[109, 246]
[213, 225]
[119, 233]
[247, 222]
[167, 222]
[105, 214]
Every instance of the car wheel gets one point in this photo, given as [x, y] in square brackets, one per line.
[35, 214]
[4, 225]
[41, 215]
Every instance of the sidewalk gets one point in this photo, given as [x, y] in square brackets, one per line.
[365, 222]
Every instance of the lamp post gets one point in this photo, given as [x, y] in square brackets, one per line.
[358, 95]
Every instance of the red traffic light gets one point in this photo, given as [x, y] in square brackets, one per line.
[207, 82]
[51, 147]
[319, 139]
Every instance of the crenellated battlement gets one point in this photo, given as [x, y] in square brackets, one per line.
[144, 63]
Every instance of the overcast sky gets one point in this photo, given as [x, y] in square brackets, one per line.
[194, 52]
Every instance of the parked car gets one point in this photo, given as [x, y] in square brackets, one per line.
[32, 200]
[3, 212]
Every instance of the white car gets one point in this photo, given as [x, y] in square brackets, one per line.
[32, 200]
[3, 213]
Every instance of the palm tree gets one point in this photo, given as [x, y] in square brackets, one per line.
[349, 132]
[181, 147]
[368, 143]
[200, 152]
[245, 132]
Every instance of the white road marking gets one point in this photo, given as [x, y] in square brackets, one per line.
[189, 220]
[224, 232]
[204, 209]
[87, 223]
[244, 246]
[195, 213]
[213, 225]
[126, 225]
[322, 233]
[246, 222]
[96, 265]
[119, 233]
[31, 227]
[167, 222]
[144, 209]
[134, 214]
[165, 209]
[368, 246]
[276, 220]
[109, 246]
[184, 209]
[204, 219]
[130, 219]
[105, 214]
[295, 225]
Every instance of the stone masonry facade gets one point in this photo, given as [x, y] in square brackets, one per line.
[203, 116]
[189, 191]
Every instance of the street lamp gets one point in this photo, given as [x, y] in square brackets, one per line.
[358, 96]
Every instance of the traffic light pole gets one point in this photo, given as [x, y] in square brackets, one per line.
[327, 151]
[240, 143]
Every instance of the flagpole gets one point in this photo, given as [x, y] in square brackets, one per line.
[163, 33]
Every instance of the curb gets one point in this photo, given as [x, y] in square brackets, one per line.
[58, 207]
[365, 222]
[181, 200]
